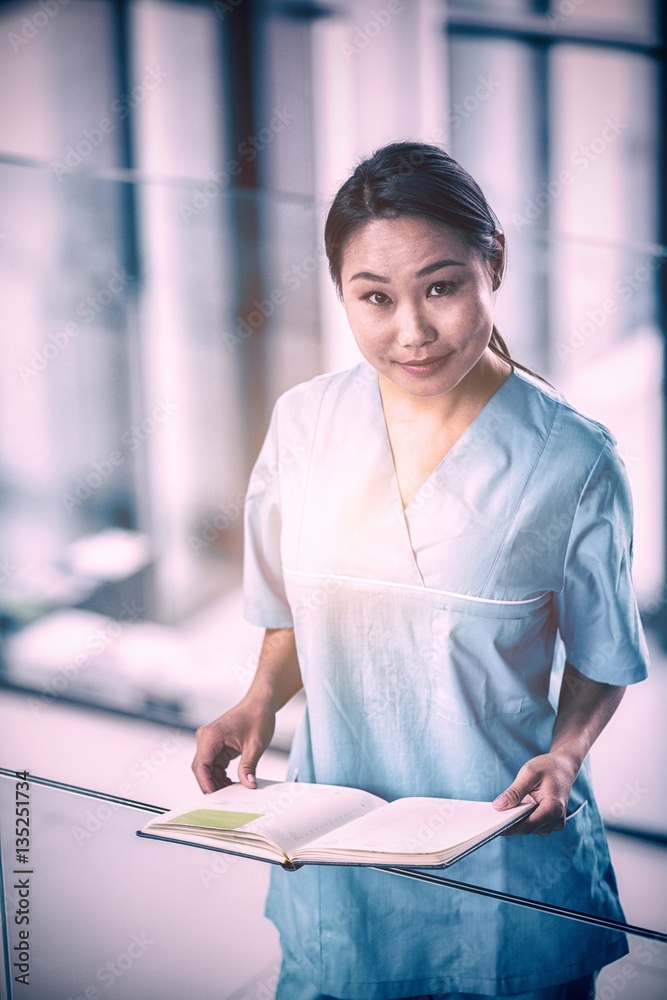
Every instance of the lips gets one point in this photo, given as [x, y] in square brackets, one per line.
[423, 361]
[422, 367]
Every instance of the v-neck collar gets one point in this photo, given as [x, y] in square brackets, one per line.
[451, 454]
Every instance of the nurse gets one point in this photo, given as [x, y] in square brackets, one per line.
[439, 549]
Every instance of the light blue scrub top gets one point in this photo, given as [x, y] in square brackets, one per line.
[428, 639]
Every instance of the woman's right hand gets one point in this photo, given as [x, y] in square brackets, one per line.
[247, 729]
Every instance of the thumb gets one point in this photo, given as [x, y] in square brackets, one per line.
[248, 766]
[512, 796]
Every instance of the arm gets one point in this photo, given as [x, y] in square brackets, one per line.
[247, 728]
[584, 709]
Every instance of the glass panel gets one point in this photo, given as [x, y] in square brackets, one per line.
[492, 6]
[494, 119]
[619, 17]
[109, 910]
[174, 62]
[131, 410]
[66, 293]
[606, 345]
[286, 85]
[577, 201]
[602, 118]
[140, 403]
[608, 357]
[49, 51]
[622, 16]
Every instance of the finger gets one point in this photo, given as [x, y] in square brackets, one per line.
[219, 774]
[248, 766]
[547, 818]
[210, 768]
[205, 779]
[514, 795]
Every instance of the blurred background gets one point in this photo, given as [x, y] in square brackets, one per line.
[165, 171]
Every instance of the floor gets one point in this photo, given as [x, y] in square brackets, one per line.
[116, 888]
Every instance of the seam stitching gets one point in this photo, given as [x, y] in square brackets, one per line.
[412, 586]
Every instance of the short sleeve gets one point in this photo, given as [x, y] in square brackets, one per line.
[598, 617]
[264, 600]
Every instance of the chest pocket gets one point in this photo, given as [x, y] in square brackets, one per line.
[489, 660]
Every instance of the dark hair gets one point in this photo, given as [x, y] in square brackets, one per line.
[414, 178]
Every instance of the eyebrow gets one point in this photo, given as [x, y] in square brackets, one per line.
[429, 269]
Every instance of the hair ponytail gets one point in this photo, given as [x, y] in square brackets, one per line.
[499, 348]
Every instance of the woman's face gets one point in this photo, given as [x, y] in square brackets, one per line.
[419, 301]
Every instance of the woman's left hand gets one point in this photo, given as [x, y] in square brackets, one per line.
[548, 780]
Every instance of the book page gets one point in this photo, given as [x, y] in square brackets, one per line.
[300, 812]
[288, 814]
[415, 826]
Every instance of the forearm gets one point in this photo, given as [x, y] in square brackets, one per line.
[278, 676]
[584, 709]
[248, 728]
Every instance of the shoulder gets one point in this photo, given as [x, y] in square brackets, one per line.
[315, 388]
[571, 437]
[302, 402]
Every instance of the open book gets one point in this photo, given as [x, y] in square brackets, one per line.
[295, 823]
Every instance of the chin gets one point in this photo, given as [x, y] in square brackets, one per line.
[436, 386]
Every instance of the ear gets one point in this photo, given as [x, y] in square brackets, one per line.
[499, 268]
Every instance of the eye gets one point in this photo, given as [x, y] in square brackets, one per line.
[440, 288]
[376, 298]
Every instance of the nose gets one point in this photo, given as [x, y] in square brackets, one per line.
[414, 329]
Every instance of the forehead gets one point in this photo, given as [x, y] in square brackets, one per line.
[405, 243]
